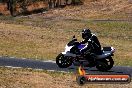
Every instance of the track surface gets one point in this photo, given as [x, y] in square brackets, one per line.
[51, 65]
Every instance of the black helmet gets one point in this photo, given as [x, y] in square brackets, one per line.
[86, 33]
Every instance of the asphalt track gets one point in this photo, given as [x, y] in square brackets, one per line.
[51, 66]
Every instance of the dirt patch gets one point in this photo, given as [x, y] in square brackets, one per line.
[94, 9]
[32, 6]
[3, 9]
[90, 9]
[23, 7]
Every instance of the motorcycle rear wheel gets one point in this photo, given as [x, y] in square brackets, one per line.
[110, 62]
[62, 61]
[105, 65]
[102, 66]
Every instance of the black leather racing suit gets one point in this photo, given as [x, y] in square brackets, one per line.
[92, 46]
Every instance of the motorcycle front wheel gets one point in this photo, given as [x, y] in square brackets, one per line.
[62, 61]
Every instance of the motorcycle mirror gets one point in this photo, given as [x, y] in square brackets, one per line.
[74, 36]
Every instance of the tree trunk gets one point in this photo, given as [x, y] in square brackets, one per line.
[10, 7]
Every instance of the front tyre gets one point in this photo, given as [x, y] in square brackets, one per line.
[62, 61]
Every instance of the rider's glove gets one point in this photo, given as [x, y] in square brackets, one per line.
[90, 41]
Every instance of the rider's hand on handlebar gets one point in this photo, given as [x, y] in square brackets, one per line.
[90, 41]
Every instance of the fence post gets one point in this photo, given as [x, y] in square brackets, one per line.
[50, 4]
[10, 6]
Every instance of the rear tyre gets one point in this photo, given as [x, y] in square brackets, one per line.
[105, 65]
[110, 62]
[62, 61]
[102, 66]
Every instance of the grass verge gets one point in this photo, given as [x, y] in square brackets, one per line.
[29, 78]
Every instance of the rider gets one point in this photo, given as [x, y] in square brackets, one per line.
[93, 44]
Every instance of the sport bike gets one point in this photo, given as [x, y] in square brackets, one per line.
[71, 55]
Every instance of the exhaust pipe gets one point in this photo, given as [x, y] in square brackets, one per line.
[81, 62]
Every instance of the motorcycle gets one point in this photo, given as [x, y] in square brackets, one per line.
[71, 55]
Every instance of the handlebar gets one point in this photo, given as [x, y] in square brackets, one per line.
[73, 42]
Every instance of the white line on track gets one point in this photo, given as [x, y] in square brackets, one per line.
[49, 61]
[34, 69]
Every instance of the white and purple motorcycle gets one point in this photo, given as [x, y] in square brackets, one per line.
[103, 62]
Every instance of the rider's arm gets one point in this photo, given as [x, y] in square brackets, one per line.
[95, 41]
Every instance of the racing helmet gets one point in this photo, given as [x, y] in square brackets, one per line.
[86, 33]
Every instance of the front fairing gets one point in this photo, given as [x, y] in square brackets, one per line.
[72, 50]
[67, 51]
[68, 48]
[81, 46]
